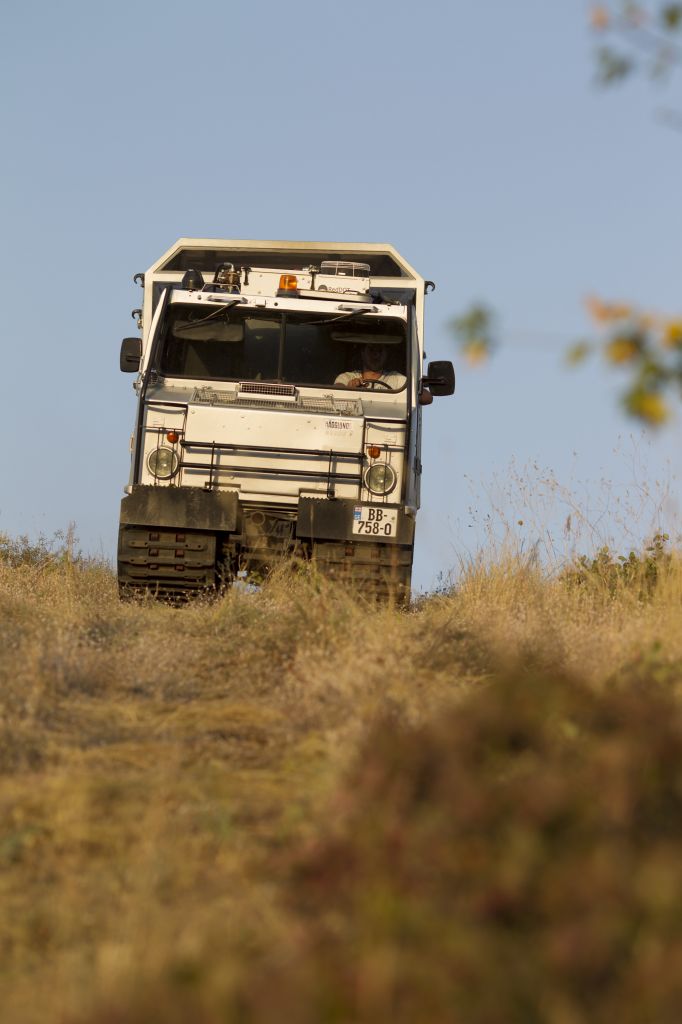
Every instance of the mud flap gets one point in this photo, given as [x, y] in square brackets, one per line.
[320, 519]
[180, 508]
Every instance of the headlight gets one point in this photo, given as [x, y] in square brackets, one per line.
[380, 478]
[162, 462]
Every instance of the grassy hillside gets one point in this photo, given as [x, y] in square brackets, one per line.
[290, 805]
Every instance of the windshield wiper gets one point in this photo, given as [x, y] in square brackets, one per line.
[344, 316]
[211, 316]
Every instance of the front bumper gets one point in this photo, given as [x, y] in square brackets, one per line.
[191, 508]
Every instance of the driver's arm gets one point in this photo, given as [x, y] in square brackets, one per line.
[349, 379]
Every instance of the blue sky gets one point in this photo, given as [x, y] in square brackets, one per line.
[470, 136]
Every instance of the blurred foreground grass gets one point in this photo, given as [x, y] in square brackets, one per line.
[290, 805]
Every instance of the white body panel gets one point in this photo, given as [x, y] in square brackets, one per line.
[336, 436]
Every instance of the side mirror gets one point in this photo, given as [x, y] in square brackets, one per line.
[440, 378]
[131, 354]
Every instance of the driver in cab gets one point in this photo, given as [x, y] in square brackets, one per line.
[373, 375]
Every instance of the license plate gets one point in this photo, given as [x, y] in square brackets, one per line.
[373, 521]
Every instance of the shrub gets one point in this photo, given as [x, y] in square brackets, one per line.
[638, 572]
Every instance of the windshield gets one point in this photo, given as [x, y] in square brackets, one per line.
[307, 348]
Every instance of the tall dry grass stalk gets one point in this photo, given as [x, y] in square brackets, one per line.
[175, 782]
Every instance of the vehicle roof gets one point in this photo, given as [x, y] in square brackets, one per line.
[205, 254]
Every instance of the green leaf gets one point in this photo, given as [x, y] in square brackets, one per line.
[475, 321]
[474, 332]
[611, 66]
[671, 16]
[578, 353]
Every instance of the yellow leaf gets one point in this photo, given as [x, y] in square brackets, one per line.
[649, 406]
[672, 334]
[621, 350]
[619, 311]
[596, 308]
[476, 351]
[607, 312]
[599, 17]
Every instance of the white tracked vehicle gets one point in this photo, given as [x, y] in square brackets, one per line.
[280, 387]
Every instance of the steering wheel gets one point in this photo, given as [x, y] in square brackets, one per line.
[369, 384]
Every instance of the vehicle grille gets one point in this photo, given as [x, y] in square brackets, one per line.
[255, 388]
[325, 404]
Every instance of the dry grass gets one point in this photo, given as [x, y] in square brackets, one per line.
[291, 805]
